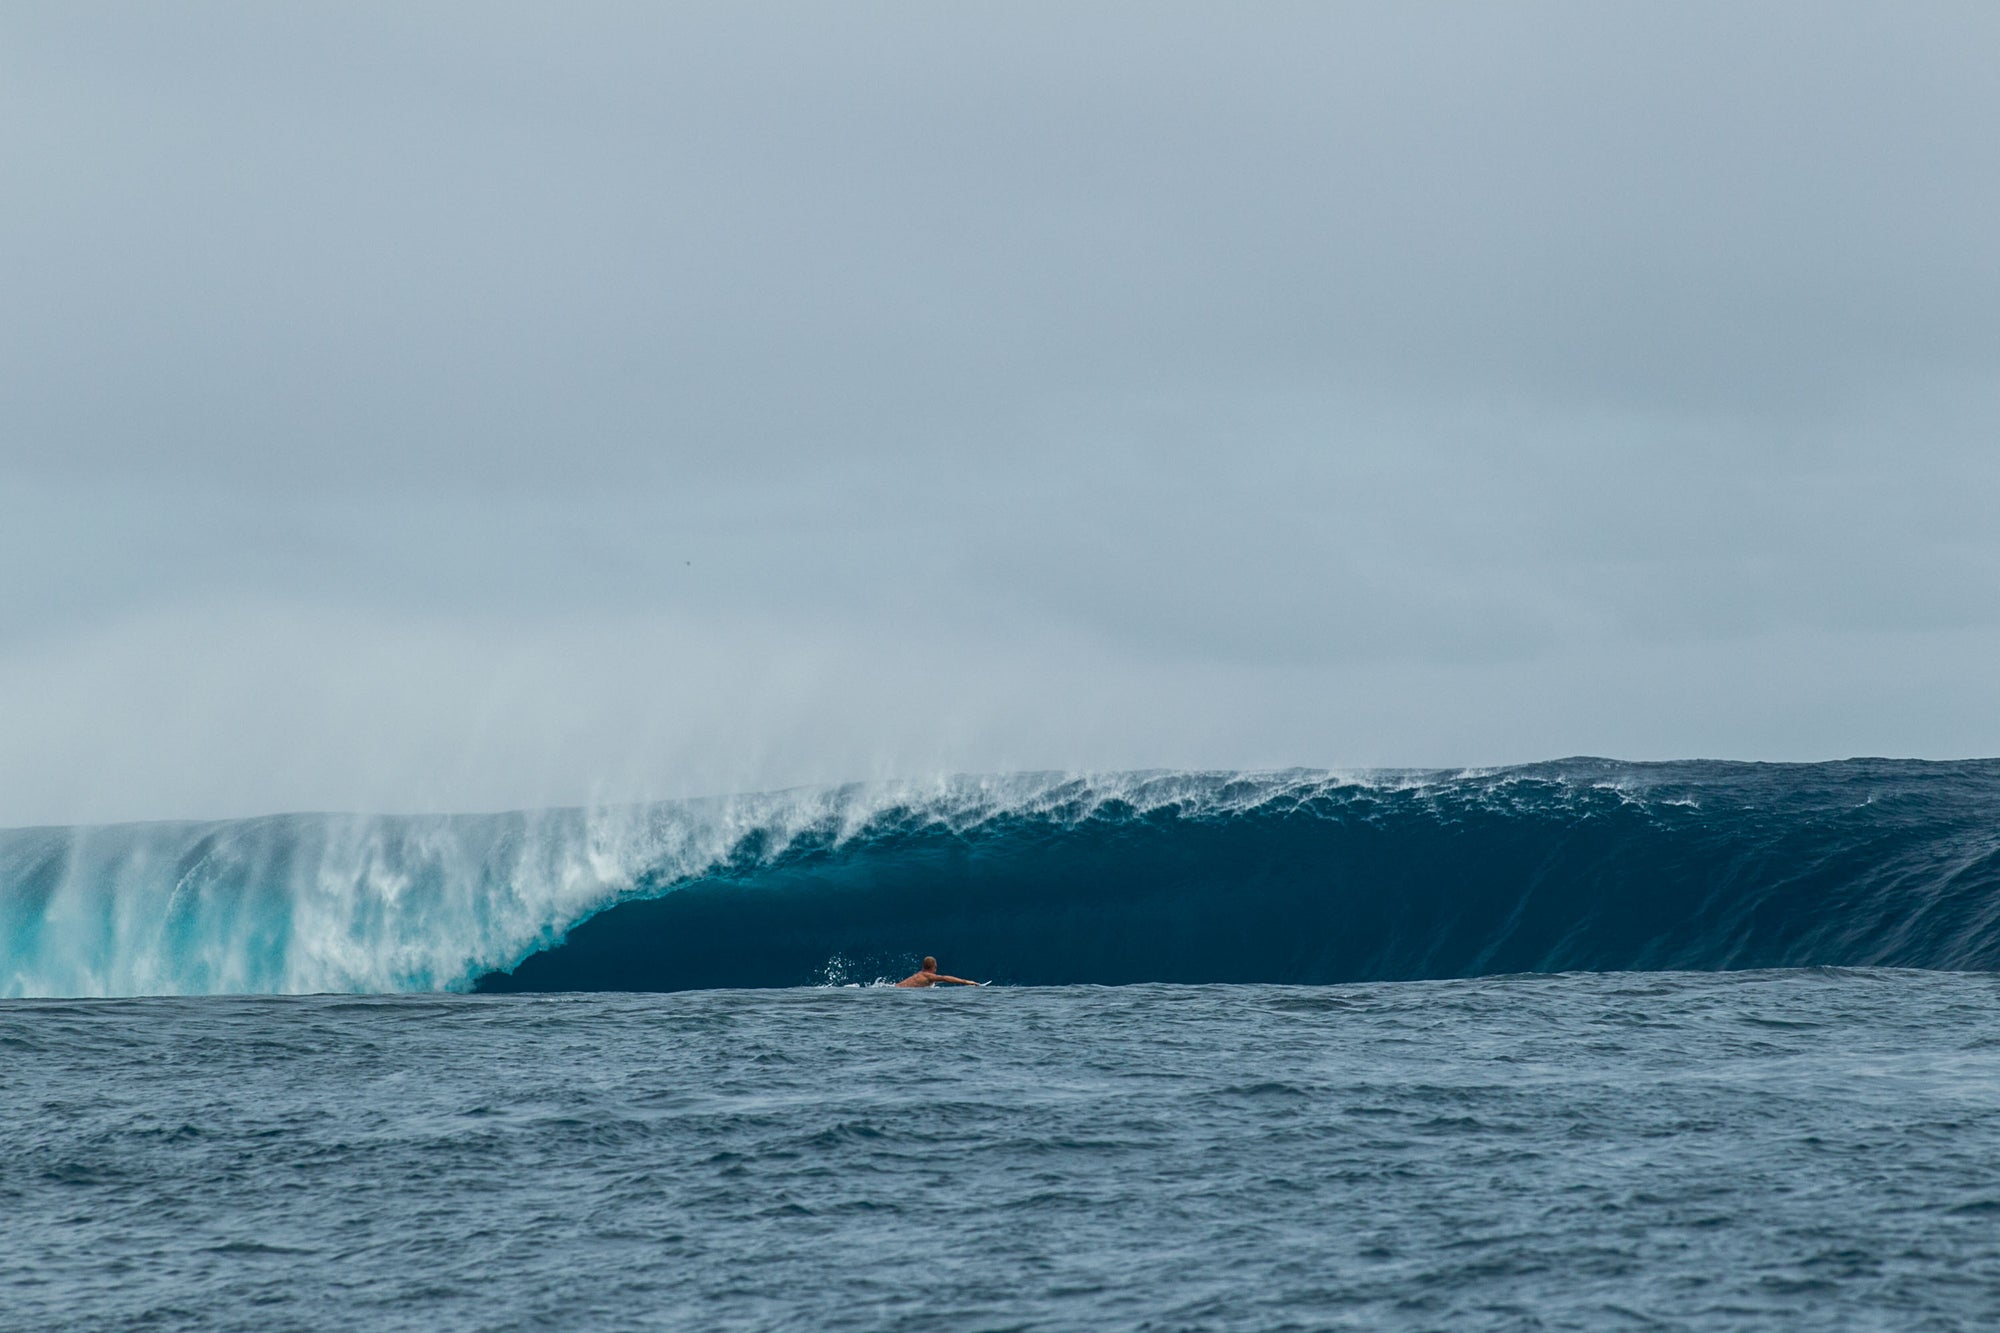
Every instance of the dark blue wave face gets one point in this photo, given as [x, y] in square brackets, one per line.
[1578, 865]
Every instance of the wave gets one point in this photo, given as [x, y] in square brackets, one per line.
[1296, 876]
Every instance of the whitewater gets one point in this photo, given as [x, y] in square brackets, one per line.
[1287, 877]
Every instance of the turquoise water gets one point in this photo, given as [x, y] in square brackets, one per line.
[1806, 1149]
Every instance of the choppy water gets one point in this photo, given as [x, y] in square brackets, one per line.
[1798, 1149]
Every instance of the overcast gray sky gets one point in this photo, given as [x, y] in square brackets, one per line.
[459, 406]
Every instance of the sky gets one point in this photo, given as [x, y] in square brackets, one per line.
[464, 406]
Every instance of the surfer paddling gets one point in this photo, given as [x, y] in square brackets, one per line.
[928, 975]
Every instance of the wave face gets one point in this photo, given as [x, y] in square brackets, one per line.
[1302, 877]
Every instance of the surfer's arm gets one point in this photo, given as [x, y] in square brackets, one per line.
[955, 981]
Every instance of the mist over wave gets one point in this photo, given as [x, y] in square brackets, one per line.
[1039, 878]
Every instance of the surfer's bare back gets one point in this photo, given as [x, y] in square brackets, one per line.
[928, 975]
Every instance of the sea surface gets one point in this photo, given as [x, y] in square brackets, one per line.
[1811, 1149]
[1583, 1044]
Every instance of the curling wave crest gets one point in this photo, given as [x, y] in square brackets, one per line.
[1039, 878]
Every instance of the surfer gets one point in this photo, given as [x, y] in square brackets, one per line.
[928, 975]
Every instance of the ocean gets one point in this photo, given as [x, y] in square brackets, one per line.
[1578, 1045]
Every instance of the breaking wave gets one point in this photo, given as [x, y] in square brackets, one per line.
[1040, 878]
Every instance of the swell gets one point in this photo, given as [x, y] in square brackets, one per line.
[1579, 866]
[1038, 878]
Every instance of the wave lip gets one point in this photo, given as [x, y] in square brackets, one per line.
[1295, 876]
[378, 904]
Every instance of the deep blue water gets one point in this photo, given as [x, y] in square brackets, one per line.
[1809, 1149]
[1040, 879]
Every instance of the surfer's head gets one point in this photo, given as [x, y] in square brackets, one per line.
[930, 964]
